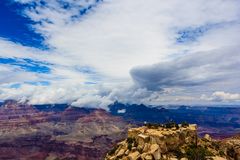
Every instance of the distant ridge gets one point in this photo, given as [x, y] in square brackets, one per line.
[220, 122]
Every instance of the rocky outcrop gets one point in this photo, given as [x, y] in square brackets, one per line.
[231, 147]
[172, 142]
[153, 143]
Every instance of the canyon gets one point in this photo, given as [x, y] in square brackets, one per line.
[63, 132]
[75, 133]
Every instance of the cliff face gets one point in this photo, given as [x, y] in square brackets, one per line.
[75, 133]
[172, 142]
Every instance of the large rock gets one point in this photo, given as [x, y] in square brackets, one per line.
[134, 156]
[152, 143]
[207, 137]
[159, 142]
[231, 146]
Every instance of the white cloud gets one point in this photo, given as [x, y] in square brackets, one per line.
[194, 69]
[11, 74]
[226, 96]
[118, 35]
[121, 111]
[223, 96]
[93, 102]
[56, 93]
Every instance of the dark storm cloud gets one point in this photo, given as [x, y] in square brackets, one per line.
[191, 70]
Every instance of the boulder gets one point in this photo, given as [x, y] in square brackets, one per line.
[148, 157]
[134, 156]
[207, 137]
[120, 153]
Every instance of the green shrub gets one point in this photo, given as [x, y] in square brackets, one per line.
[194, 152]
[184, 124]
[129, 146]
[216, 145]
[140, 151]
[153, 125]
[221, 153]
[112, 151]
[231, 152]
[178, 153]
[130, 140]
[131, 143]
[171, 124]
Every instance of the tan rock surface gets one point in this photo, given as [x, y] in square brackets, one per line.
[160, 142]
[153, 143]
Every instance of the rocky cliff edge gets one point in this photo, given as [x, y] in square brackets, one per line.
[172, 142]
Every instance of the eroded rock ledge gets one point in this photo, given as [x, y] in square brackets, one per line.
[172, 141]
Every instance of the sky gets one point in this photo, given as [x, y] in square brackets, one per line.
[90, 53]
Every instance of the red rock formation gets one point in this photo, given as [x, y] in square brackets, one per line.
[76, 133]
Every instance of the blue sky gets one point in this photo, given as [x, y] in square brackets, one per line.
[27, 64]
[98, 51]
[16, 27]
